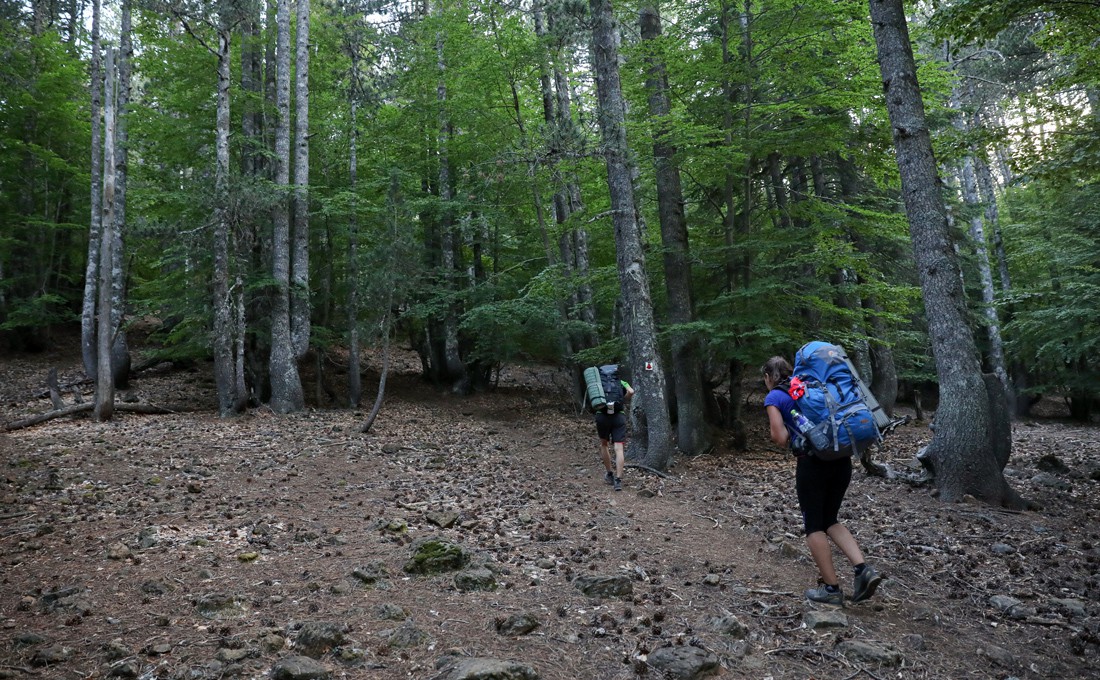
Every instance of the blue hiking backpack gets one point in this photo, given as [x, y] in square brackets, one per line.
[827, 392]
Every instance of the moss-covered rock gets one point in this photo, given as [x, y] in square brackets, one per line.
[434, 556]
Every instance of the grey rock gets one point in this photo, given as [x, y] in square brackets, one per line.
[154, 588]
[712, 580]
[390, 611]
[228, 656]
[299, 668]
[914, 642]
[1047, 479]
[790, 550]
[998, 655]
[27, 639]
[158, 649]
[1004, 603]
[219, 605]
[371, 573]
[684, 663]
[149, 537]
[475, 579]
[123, 669]
[118, 551]
[1052, 463]
[315, 638]
[869, 652]
[272, 642]
[724, 623]
[517, 624]
[52, 655]
[406, 636]
[546, 563]
[820, 619]
[443, 520]
[1070, 606]
[617, 585]
[433, 556]
[51, 597]
[1002, 549]
[486, 669]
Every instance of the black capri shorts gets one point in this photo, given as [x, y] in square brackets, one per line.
[611, 427]
[821, 486]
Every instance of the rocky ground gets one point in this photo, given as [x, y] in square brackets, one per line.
[474, 538]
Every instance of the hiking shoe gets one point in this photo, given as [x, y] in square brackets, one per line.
[609, 478]
[820, 594]
[618, 484]
[866, 583]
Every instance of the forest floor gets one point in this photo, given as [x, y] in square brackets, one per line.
[190, 546]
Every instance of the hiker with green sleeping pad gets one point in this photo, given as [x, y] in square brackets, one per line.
[606, 397]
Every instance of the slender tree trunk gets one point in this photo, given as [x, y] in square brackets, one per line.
[87, 314]
[687, 370]
[630, 255]
[993, 219]
[969, 442]
[355, 385]
[120, 349]
[299, 287]
[104, 383]
[224, 367]
[286, 385]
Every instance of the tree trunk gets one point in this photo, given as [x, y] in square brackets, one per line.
[355, 385]
[687, 370]
[120, 349]
[224, 367]
[966, 445]
[299, 287]
[87, 314]
[104, 384]
[453, 369]
[286, 385]
[630, 255]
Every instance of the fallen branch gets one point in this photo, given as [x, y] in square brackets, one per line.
[81, 408]
[716, 522]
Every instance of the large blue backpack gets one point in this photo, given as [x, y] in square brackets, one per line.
[831, 398]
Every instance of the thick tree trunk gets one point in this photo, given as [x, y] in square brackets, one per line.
[224, 368]
[965, 449]
[299, 285]
[286, 384]
[87, 314]
[687, 370]
[453, 369]
[630, 256]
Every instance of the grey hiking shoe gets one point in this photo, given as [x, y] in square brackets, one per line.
[609, 478]
[820, 594]
[866, 583]
[618, 484]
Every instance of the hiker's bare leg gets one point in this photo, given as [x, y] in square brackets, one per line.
[846, 542]
[620, 459]
[822, 553]
[605, 455]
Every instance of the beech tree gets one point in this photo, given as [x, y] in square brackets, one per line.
[972, 439]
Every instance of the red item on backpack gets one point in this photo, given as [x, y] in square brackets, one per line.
[797, 389]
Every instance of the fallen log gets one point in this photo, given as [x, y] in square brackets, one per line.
[81, 408]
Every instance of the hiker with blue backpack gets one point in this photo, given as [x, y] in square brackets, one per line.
[817, 410]
[606, 397]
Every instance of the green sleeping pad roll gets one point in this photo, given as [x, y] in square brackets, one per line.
[594, 393]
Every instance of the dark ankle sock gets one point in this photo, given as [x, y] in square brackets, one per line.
[832, 589]
[859, 568]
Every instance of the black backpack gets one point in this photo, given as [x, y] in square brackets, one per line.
[612, 388]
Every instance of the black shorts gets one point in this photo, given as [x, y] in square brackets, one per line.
[821, 486]
[611, 427]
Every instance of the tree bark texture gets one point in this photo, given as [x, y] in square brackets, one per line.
[962, 450]
[355, 385]
[630, 256]
[687, 370]
[299, 286]
[224, 368]
[120, 348]
[87, 314]
[104, 384]
[286, 384]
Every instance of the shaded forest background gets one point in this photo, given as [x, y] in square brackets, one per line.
[273, 186]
